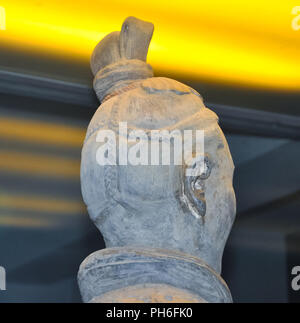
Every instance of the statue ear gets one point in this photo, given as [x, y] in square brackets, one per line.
[194, 192]
[135, 38]
[106, 52]
[195, 174]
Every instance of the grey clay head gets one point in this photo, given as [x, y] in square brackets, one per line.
[155, 205]
[131, 43]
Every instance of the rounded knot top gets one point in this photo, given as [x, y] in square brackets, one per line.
[121, 56]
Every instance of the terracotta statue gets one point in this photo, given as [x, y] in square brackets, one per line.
[165, 221]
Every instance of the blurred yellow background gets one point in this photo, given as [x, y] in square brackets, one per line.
[249, 43]
[242, 56]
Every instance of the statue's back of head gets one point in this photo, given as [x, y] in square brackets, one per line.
[156, 170]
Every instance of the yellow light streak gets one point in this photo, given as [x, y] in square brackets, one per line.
[250, 43]
[40, 204]
[41, 132]
[39, 165]
[11, 220]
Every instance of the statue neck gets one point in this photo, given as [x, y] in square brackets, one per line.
[115, 78]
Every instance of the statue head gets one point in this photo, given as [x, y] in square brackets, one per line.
[184, 203]
[131, 42]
